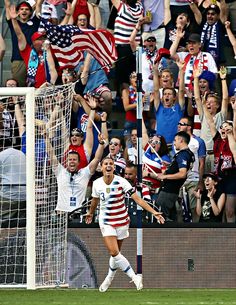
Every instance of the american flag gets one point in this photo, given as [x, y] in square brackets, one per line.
[68, 43]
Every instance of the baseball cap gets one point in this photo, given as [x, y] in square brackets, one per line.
[213, 7]
[37, 35]
[194, 37]
[24, 3]
[211, 175]
[76, 132]
[150, 37]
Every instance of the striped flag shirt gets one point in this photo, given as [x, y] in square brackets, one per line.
[125, 22]
[113, 210]
[68, 43]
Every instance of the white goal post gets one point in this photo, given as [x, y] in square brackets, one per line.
[33, 246]
[29, 94]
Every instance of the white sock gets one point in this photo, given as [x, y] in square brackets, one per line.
[112, 267]
[124, 265]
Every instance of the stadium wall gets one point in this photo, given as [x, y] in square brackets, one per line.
[172, 257]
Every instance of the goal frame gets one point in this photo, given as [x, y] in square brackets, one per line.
[29, 93]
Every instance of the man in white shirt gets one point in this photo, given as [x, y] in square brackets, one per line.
[72, 183]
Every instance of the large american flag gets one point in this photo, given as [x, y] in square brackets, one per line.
[68, 43]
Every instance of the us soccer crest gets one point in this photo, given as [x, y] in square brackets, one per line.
[107, 190]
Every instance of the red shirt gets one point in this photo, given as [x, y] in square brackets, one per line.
[130, 115]
[223, 156]
[81, 7]
[40, 76]
[80, 150]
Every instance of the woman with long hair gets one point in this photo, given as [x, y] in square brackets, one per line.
[114, 220]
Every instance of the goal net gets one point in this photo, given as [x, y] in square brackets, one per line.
[32, 237]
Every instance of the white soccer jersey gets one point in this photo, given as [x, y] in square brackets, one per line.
[71, 189]
[112, 200]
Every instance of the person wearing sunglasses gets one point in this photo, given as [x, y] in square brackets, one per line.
[194, 179]
[224, 162]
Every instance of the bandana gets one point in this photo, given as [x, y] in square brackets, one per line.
[23, 5]
[210, 39]
[132, 95]
[150, 55]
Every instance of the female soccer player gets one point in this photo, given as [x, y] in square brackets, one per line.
[114, 220]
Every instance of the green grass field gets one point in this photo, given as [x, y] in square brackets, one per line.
[119, 297]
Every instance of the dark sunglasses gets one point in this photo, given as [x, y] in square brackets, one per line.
[76, 134]
[183, 124]
[114, 143]
[155, 142]
[151, 39]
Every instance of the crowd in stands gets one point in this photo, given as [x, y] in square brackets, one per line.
[188, 96]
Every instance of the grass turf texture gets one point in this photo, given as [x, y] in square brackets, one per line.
[118, 297]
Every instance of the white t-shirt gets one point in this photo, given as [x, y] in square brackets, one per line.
[112, 200]
[48, 10]
[206, 132]
[147, 84]
[205, 60]
[71, 189]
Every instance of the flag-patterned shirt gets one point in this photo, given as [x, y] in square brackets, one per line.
[203, 59]
[113, 210]
[126, 20]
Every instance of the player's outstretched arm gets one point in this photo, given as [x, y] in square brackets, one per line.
[148, 208]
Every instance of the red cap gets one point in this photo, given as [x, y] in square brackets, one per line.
[24, 4]
[37, 35]
[162, 52]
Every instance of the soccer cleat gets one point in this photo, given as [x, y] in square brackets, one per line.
[137, 279]
[105, 284]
